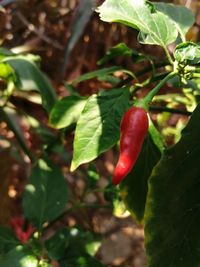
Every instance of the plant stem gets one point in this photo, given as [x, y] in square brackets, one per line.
[168, 56]
[155, 90]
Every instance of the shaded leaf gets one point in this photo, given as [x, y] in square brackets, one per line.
[188, 53]
[98, 126]
[135, 186]
[96, 73]
[172, 214]
[45, 194]
[120, 49]
[181, 16]
[57, 245]
[66, 111]
[31, 78]
[8, 239]
[155, 27]
[18, 257]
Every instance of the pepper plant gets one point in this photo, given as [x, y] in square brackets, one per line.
[158, 181]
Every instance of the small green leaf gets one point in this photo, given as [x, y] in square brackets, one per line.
[31, 78]
[18, 257]
[135, 185]
[172, 214]
[66, 111]
[45, 195]
[155, 27]
[8, 239]
[98, 126]
[57, 245]
[188, 53]
[95, 74]
[120, 49]
[5, 71]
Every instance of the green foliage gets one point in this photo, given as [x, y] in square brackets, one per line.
[7, 239]
[19, 257]
[162, 189]
[172, 212]
[45, 194]
[31, 78]
[66, 111]
[98, 126]
[187, 53]
[155, 28]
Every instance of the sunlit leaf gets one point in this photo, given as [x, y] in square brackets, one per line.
[154, 26]
[98, 126]
[66, 111]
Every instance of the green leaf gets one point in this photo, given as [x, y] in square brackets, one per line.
[8, 239]
[135, 185]
[137, 14]
[31, 78]
[188, 53]
[45, 195]
[5, 71]
[66, 111]
[98, 126]
[172, 215]
[57, 245]
[120, 49]
[180, 15]
[95, 74]
[5, 52]
[18, 257]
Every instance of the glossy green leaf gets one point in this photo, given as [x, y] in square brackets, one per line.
[96, 74]
[66, 111]
[172, 215]
[8, 239]
[180, 15]
[188, 53]
[31, 78]
[57, 245]
[98, 126]
[18, 257]
[137, 14]
[135, 185]
[45, 195]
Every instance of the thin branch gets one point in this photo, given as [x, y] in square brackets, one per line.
[40, 34]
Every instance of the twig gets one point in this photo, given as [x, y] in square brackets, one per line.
[40, 34]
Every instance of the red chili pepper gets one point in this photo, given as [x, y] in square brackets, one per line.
[18, 223]
[134, 127]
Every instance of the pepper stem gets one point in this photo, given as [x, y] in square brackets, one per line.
[148, 98]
